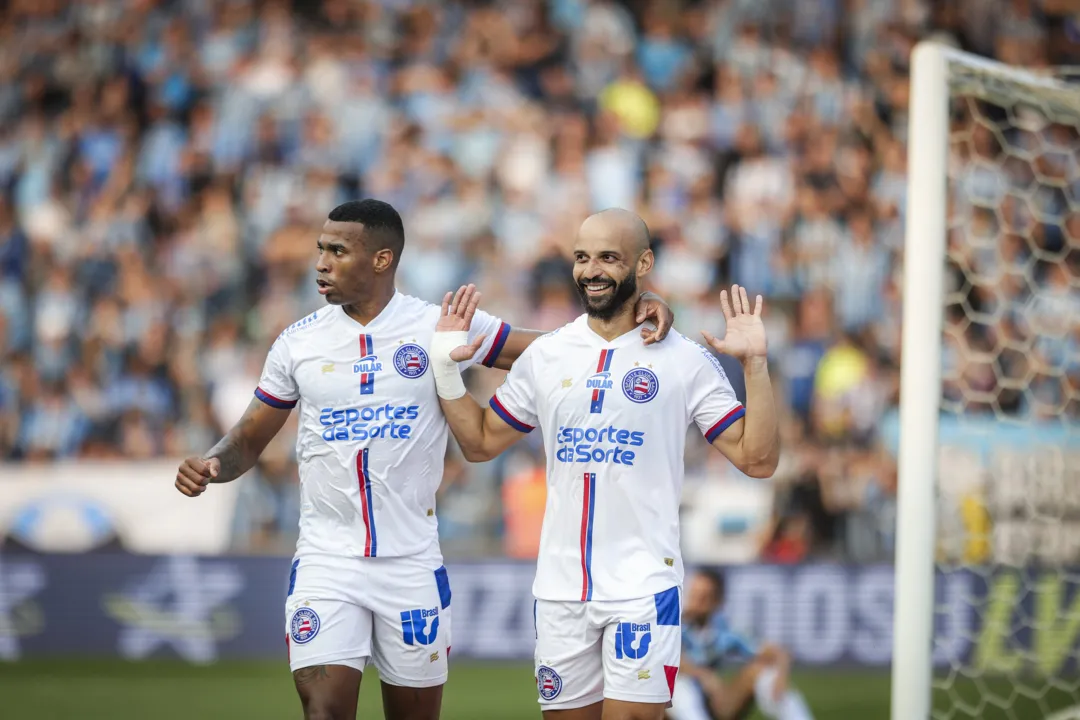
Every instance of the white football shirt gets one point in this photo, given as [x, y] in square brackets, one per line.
[372, 437]
[614, 417]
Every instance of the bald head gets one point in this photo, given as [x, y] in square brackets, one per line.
[610, 255]
[617, 228]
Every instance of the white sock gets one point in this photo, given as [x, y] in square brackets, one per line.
[790, 706]
[688, 702]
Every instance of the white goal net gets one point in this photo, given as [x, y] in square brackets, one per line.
[995, 183]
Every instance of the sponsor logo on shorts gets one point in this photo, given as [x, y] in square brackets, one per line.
[625, 635]
[410, 361]
[304, 625]
[640, 385]
[414, 626]
[643, 675]
[548, 683]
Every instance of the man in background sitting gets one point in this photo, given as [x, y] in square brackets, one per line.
[708, 642]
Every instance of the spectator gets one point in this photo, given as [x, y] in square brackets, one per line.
[164, 168]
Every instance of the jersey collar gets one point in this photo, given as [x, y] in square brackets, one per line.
[386, 312]
[624, 339]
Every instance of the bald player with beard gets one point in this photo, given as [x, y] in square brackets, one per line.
[614, 415]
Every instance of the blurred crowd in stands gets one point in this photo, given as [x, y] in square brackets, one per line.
[165, 166]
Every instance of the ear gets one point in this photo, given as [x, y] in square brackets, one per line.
[645, 263]
[382, 260]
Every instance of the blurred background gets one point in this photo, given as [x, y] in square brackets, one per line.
[165, 166]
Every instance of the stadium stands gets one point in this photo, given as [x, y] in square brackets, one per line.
[165, 165]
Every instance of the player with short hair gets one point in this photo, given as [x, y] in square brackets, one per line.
[708, 642]
[614, 415]
[367, 580]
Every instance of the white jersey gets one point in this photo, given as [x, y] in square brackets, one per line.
[372, 438]
[614, 417]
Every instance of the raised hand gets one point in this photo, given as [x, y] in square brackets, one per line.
[195, 473]
[744, 337]
[456, 316]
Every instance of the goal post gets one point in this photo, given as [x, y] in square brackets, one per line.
[920, 378]
[993, 173]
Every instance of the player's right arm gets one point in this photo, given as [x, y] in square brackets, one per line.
[482, 433]
[237, 452]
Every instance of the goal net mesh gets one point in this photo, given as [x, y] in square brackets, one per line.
[1007, 604]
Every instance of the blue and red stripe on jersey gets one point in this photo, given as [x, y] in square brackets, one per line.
[367, 380]
[603, 365]
[588, 510]
[366, 506]
[497, 346]
[507, 416]
[274, 401]
[725, 422]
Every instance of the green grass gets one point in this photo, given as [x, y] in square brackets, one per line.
[164, 690]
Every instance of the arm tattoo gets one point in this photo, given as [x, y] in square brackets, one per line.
[232, 451]
[228, 451]
[308, 675]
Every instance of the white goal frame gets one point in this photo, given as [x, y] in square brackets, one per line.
[925, 246]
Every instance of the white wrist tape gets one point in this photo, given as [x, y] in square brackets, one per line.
[448, 381]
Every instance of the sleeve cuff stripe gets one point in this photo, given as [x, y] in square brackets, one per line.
[497, 346]
[274, 401]
[510, 420]
[725, 422]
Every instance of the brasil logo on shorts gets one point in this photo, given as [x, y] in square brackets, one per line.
[548, 683]
[410, 361]
[640, 385]
[304, 625]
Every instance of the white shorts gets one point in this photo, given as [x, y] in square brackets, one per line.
[622, 650]
[392, 611]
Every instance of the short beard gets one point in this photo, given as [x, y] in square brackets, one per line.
[608, 307]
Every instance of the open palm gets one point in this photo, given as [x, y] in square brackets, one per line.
[744, 337]
[456, 316]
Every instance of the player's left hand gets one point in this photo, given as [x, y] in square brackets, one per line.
[744, 337]
[456, 316]
[651, 306]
